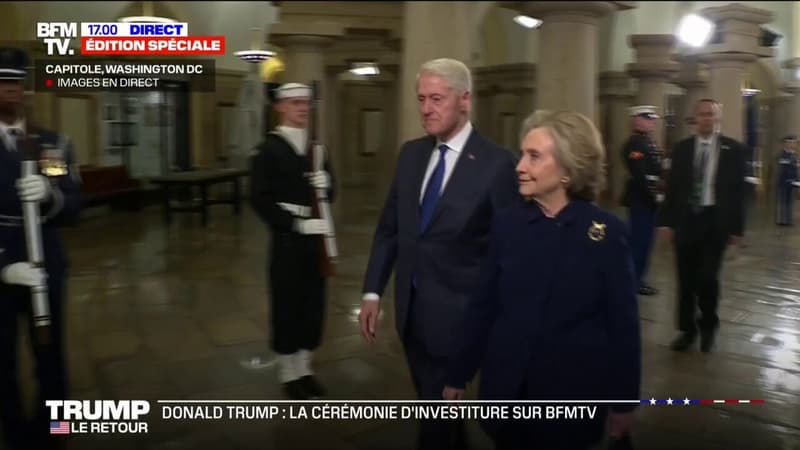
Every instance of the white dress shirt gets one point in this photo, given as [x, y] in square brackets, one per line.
[455, 147]
[5, 133]
[708, 197]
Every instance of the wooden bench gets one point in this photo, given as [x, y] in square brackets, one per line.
[110, 185]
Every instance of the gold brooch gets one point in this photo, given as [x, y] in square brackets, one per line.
[597, 232]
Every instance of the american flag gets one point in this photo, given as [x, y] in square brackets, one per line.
[59, 427]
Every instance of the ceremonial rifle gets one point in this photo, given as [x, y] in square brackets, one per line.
[31, 151]
[321, 204]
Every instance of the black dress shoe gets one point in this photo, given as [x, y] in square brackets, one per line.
[648, 290]
[683, 342]
[312, 386]
[707, 341]
[295, 390]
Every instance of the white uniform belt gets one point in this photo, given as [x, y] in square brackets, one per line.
[652, 177]
[11, 221]
[296, 210]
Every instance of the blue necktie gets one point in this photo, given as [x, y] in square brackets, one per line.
[432, 191]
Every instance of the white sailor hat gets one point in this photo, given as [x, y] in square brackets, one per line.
[647, 111]
[290, 90]
[13, 64]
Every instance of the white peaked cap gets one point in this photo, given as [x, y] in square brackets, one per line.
[648, 111]
[290, 90]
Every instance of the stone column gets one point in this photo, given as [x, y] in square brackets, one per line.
[303, 55]
[739, 27]
[694, 80]
[568, 59]
[793, 88]
[654, 70]
[431, 30]
[615, 99]
[726, 74]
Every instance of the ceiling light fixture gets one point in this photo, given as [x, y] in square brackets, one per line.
[528, 21]
[365, 68]
[147, 16]
[695, 30]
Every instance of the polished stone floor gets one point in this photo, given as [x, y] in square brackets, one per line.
[159, 313]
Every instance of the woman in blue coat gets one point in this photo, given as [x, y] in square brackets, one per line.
[556, 315]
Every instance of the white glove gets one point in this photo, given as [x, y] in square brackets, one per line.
[311, 226]
[24, 274]
[34, 188]
[320, 179]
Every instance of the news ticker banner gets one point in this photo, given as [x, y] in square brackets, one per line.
[122, 38]
[107, 74]
[82, 57]
[134, 417]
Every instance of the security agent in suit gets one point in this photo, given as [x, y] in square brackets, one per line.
[58, 192]
[282, 194]
[703, 213]
[642, 196]
[433, 232]
[787, 174]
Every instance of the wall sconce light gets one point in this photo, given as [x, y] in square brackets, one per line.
[747, 88]
[255, 54]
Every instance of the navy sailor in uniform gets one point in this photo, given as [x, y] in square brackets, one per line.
[787, 174]
[642, 196]
[57, 190]
[282, 194]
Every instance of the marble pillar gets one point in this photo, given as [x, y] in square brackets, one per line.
[793, 88]
[431, 30]
[303, 53]
[693, 78]
[739, 27]
[615, 99]
[654, 69]
[568, 57]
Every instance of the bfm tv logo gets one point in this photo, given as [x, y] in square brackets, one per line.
[52, 32]
[103, 416]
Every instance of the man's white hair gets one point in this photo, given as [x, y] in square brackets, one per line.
[454, 72]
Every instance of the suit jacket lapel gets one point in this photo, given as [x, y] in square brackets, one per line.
[420, 166]
[467, 168]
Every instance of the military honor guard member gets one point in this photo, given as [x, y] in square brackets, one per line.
[283, 185]
[787, 175]
[642, 195]
[56, 189]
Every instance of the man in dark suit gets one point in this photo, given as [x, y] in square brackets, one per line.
[434, 231]
[703, 212]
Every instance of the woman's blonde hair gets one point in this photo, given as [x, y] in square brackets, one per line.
[578, 150]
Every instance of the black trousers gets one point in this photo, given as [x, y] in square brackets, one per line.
[51, 373]
[699, 250]
[428, 374]
[297, 288]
